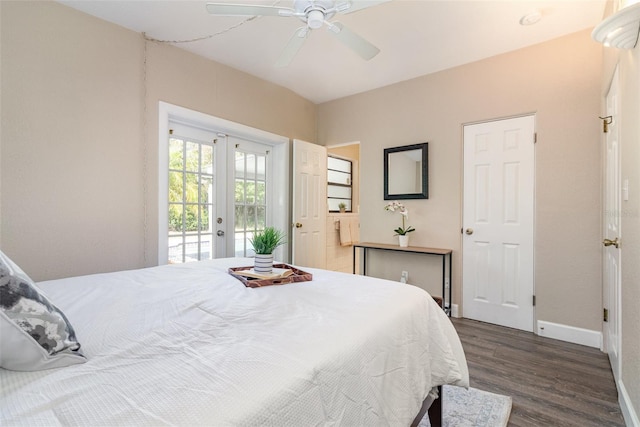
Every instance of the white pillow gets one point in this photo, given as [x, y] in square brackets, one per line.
[34, 334]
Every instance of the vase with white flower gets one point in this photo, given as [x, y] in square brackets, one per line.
[401, 232]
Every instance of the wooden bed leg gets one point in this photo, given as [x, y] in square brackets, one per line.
[435, 410]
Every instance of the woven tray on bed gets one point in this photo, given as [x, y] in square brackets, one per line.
[297, 276]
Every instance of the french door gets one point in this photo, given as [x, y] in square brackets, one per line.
[196, 194]
[218, 194]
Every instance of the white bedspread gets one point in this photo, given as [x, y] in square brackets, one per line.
[190, 345]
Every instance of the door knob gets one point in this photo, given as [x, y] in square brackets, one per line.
[298, 225]
[220, 233]
[608, 242]
[469, 231]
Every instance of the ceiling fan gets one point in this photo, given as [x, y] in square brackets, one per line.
[314, 13]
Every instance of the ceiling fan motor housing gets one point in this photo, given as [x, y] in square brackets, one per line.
[314, 12]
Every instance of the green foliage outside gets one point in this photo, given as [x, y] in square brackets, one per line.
[188, 185]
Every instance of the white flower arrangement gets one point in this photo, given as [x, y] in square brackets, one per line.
[399, 207]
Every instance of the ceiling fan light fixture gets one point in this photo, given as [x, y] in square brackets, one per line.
[620, 30]
[315, 19]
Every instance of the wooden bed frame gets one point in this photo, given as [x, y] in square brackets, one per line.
[434, 407]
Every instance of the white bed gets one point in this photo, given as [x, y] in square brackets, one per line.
[191, 345]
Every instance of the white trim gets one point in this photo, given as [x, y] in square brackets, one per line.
[570, 334]
[454, 311]
[626, 406]
[281, 156]
[343, 144]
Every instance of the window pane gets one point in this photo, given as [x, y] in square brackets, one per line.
[193, 156]
[175, 249]
[206, 190]
[338, 164]
[338, 191]
[191, 248]
[261, 214]
[260, 192]
[175, 186]
[207, 159]
[191, 188]
[175, 218]
[251, 218]
[240, 218]
[250, 192]
[206, 246]
[191, 217]
[176, 149]
[239, 191]
[262, 168]
[239, 164]
[339, 177]
[205, 218]
[251, 166]
[333, 204]
[241, 242]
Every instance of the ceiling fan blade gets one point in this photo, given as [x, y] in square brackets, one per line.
[247, 10]
[356, 5]
[292, 47]
[359, 45]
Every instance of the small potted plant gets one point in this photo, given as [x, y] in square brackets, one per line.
[342, 207]
[401, 232]
[264, 243]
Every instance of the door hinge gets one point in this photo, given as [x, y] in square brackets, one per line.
[605, 315]
[535, 137]
[534, 300]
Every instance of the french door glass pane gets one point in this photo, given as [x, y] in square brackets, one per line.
[191, 200]
[250, 198]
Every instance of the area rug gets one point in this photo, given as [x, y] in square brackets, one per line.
[472, 408]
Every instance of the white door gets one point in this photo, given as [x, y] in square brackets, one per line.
[611, 252]
[498, 219]
[309, 204]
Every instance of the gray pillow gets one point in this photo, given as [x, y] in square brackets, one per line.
[34, 334]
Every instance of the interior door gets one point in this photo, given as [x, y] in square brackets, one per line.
[309, 204]
[612, 234]
[498, 222]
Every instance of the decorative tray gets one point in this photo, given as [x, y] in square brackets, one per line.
[283, 274]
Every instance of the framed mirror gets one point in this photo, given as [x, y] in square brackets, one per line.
[406, 172]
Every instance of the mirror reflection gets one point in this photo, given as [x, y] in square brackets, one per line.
[405, 172]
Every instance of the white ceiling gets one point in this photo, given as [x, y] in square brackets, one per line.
[415, 37]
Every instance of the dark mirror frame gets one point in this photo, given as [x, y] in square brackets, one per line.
[424, 194]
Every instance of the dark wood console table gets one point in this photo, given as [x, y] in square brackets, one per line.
[444, 253]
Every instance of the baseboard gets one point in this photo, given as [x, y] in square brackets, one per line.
[626, 406]
[454, 310]
[570, 334]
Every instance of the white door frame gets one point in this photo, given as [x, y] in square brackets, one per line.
[281, 151]
[487, 233]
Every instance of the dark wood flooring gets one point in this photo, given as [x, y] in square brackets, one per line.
[551, 382]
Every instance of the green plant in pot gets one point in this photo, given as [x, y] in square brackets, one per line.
[342, 206]
[264, 243]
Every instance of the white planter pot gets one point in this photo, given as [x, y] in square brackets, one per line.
[403, 240]
[263, 263]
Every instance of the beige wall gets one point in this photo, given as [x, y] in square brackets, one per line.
[79, 163]
[559, 81]
[628, 62]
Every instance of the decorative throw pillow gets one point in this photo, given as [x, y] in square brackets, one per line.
[34, 334]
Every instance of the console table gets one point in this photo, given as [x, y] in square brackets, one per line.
[444, 253]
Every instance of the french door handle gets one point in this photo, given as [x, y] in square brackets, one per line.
[608, 242]
[220, 233]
